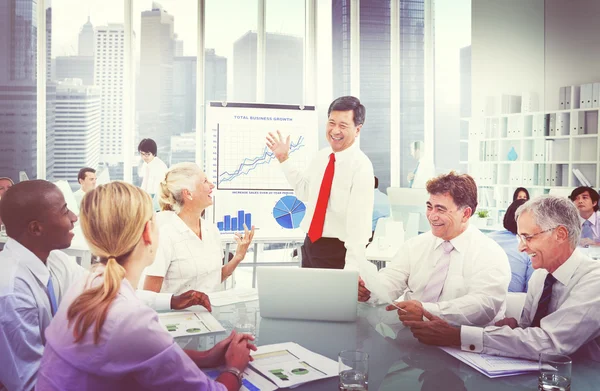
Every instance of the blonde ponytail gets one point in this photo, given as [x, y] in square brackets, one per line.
[113, 218]
[166, 200]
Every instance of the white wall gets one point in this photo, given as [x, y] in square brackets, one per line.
[572, 45]
[507, 49]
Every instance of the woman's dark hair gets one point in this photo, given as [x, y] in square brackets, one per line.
[147, 145]
[510, 222]
[520, 189]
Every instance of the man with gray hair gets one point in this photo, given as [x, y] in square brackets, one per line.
[562, 308]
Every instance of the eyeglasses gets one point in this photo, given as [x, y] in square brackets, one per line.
[146, 154]
[527, 238]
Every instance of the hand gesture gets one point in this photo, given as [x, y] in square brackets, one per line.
[216, 355]
[510, 322]
[190, 298]
[363, 293]
[279, 146]
[238, 351]
[410, 310]
[435, 332]
[243, 242]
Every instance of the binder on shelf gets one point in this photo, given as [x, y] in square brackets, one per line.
[562, 124]
[587, 91]
[510, 104]
[549, 147]
[552, 125]
[568, 97]
[577, 123]
[581, 178]
[529, 102]
[595, 94]
[561, 98]
[575, 96]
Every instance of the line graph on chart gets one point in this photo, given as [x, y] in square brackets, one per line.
[245, 163]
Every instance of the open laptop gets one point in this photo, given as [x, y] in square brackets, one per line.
[311, 294]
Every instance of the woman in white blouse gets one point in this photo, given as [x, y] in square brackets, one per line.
[189, 253]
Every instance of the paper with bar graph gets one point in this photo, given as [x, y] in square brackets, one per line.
[250, 187]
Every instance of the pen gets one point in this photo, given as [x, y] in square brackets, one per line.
[401, 309]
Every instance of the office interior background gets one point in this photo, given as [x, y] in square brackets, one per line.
[83, 81]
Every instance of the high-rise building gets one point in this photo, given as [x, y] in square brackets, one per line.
[375, 76]
[155, 84]
[77, 129]
[184, 87]
[178, 46]
[183, 148]
[75, 67]
[108, 75]
[87, 43]
[284, 67]
[18, 90]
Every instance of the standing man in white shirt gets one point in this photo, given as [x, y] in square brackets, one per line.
[337, 188]
[35, 277]
[586, 200]
[153, 169]
[453, 271]
[562, 309]
[87, 182]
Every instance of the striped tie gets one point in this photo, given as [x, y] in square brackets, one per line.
[542, 309]
[434, 287]
[586, 230]
[52, 296]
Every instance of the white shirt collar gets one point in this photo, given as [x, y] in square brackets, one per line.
[565, 271]
[29, 259]
[592, 219]
[170, 217]
[460, 242]
[346, 153]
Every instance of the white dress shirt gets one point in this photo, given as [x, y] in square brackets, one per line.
[152, 174]
[571, 326]
[79, 196]
[25, 309]
[183, 259]
[475, 289]
[350, 208]
[595, 225]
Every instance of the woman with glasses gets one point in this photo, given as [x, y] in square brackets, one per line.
[103, 337]
[520, 264]
[152, 169]
[189, 254]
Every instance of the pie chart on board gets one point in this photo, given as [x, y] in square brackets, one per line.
[289, 212]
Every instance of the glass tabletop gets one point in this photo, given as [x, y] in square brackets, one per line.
[397, 361]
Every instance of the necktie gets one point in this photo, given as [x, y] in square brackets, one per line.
[586, 230]
[316, 225]
[434, 287]
[542, 308]
[52, 296]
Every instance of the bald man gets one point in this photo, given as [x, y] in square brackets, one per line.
[35, 277]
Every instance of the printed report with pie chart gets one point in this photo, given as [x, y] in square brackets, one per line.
[187, 323]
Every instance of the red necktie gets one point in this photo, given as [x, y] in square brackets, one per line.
[316, 225]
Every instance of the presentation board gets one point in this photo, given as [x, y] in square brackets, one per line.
[250, 187]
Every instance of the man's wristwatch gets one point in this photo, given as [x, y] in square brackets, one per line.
[239, 374]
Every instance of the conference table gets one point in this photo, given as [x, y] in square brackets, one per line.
[395, 362]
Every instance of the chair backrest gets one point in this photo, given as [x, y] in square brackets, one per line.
[514, 304]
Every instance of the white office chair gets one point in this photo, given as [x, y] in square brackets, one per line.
[514, 304]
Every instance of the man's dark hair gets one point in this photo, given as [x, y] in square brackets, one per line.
[83, 171]
[376, 182]
[582, 189]
[147, 145]
[510, 222]
[346, 103]
[24, 203]
[462, 189]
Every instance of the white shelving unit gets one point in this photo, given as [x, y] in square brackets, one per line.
[547, 147]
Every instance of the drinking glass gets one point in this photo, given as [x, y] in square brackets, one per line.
[555, 372]
[354, 370]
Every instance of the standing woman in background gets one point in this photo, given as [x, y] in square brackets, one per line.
[103, 337]
[521, 194]
[153, 169]
[189, 253]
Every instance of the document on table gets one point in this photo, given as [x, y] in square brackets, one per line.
[368, 272]
[188, 323]
[290, 365]
[232, 296]
[493, 366]
[251, 381]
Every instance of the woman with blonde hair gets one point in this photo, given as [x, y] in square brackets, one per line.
[103, 337]
[189, 253]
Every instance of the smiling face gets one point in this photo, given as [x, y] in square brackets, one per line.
[584, 204]
[543, 247]
[341, 130]
[446, 219]
[202, 194]
[55, 226]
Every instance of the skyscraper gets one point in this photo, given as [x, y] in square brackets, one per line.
[284, 67]
[87, 42]
[184, 87]
[18, 90]
[75, 67]
[77, 129]
[155, 85]
[108, 75]
[375, 77]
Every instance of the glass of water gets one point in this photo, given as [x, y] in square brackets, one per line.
[354, 370]
[555, 372]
